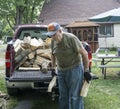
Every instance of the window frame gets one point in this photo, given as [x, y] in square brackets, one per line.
[108, 30]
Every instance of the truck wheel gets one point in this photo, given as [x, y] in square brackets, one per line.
[12, 91]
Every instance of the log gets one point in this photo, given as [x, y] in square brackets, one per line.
[52, 83]
[29, 68]
[35, 44]
[46, 55]
[48, 41]
[31, 55]
[27, 40]
[85, 88]
[41, 41]
[17, 45]
[26, 64]
[43, 63]
[17, 65]
[20, 57]
[41, 51]
[25, 45]
[32, 44]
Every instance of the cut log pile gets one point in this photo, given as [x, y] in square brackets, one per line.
[32, 53]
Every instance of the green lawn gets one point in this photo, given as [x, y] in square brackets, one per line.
[103, 93]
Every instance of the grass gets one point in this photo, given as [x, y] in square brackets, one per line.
[103, 93]
[2, 84]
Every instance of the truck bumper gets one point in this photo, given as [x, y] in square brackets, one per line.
[31, 85]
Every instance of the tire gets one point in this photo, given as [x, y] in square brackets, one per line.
[12, 91]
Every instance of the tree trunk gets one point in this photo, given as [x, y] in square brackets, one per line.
[19, 14]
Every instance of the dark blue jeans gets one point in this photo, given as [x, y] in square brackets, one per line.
[70, 83]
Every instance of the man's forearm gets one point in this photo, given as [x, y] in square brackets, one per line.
[85, 59]
[86, 63]
[53, 59]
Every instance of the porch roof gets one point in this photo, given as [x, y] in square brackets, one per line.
[82, 24]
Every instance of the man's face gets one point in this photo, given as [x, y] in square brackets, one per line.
[57, 36]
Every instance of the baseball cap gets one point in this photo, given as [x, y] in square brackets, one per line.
[53, 28]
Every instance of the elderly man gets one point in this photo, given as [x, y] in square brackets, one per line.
[71, 59]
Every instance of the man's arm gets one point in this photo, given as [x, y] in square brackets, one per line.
[85, 59]
[54, 70]
[53, 59]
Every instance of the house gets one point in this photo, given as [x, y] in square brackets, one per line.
[66, 12]
[109, 35]
[109, 31]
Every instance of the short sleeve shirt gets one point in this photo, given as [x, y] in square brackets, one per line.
[67, 51]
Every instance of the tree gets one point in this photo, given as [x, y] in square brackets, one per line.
[20, 11]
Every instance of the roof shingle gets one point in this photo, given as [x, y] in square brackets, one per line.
[67, 11]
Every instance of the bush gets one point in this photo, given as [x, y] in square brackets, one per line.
[113, 49]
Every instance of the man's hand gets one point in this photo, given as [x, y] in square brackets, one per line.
[87, 76]
[53, 72]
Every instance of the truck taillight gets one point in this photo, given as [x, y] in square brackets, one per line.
[7, 59]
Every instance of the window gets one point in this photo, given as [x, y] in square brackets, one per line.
[74, 32]
[106, 30]
[79, 35]
[95, 34]
[85, 35]
[33, 33]
[89, 35]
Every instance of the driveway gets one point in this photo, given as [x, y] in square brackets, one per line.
[28, 97]
[24, 104]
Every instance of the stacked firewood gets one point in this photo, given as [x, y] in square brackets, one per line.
[32, 53]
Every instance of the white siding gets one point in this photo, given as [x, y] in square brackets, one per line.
[111, 41]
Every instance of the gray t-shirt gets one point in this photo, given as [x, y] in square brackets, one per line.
[67, 51]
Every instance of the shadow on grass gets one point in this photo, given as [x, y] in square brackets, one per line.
[40, 100]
